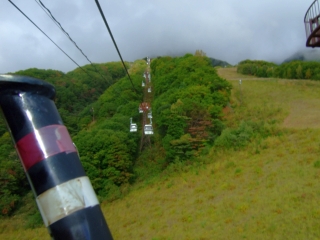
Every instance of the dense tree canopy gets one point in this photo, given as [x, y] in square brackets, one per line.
[189, 98]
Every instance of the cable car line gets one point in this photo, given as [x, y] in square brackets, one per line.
[114, 42]
[48, 12]
[45, 11]
[48, 37]
[145, 109]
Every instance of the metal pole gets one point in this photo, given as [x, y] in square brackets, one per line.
[64, 194]
[240, 82]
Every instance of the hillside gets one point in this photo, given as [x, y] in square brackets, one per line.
[258, 179]
[262, 191]
[96, 103]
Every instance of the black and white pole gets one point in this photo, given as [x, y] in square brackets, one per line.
[64, 194]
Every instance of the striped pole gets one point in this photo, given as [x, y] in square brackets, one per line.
[64, 194]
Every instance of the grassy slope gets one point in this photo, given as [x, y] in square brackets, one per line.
[270, 190]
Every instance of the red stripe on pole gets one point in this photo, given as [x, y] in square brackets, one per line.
[43, 143]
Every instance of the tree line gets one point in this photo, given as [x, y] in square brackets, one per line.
[288, 70]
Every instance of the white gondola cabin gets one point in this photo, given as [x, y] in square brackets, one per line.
[133, 126]
[148, 129]
[143, 84]
[149, 89]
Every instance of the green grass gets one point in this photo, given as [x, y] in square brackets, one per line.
[293, 103]
[275, 191]
[267, 190]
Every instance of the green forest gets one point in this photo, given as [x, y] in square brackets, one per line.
[96, 103]
[289, 70]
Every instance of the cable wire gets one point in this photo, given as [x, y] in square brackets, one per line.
[114, 42]
[46, 10]
[48, 37]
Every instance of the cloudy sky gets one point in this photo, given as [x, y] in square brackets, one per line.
[230, 30]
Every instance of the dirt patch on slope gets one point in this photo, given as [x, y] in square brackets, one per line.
[230, 73]
[304, 114]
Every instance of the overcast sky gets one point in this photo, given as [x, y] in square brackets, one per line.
[229, 30]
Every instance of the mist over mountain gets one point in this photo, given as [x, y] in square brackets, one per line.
[218, 62]
[305, 55]
[214, 61]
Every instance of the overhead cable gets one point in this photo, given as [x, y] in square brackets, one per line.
[46, 10]
[47, 36]
[114, 42]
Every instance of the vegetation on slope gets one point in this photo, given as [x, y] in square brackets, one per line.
[246, 174]
[76, 92]
[288, 70]
[262, 190]
[189, 98]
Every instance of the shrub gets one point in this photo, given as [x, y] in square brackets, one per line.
[235, 138]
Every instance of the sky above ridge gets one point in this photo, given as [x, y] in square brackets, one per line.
[229, 30]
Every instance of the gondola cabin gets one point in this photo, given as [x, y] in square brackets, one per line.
[133, 127]
[148, 129]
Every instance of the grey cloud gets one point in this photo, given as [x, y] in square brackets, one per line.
[229, 30]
